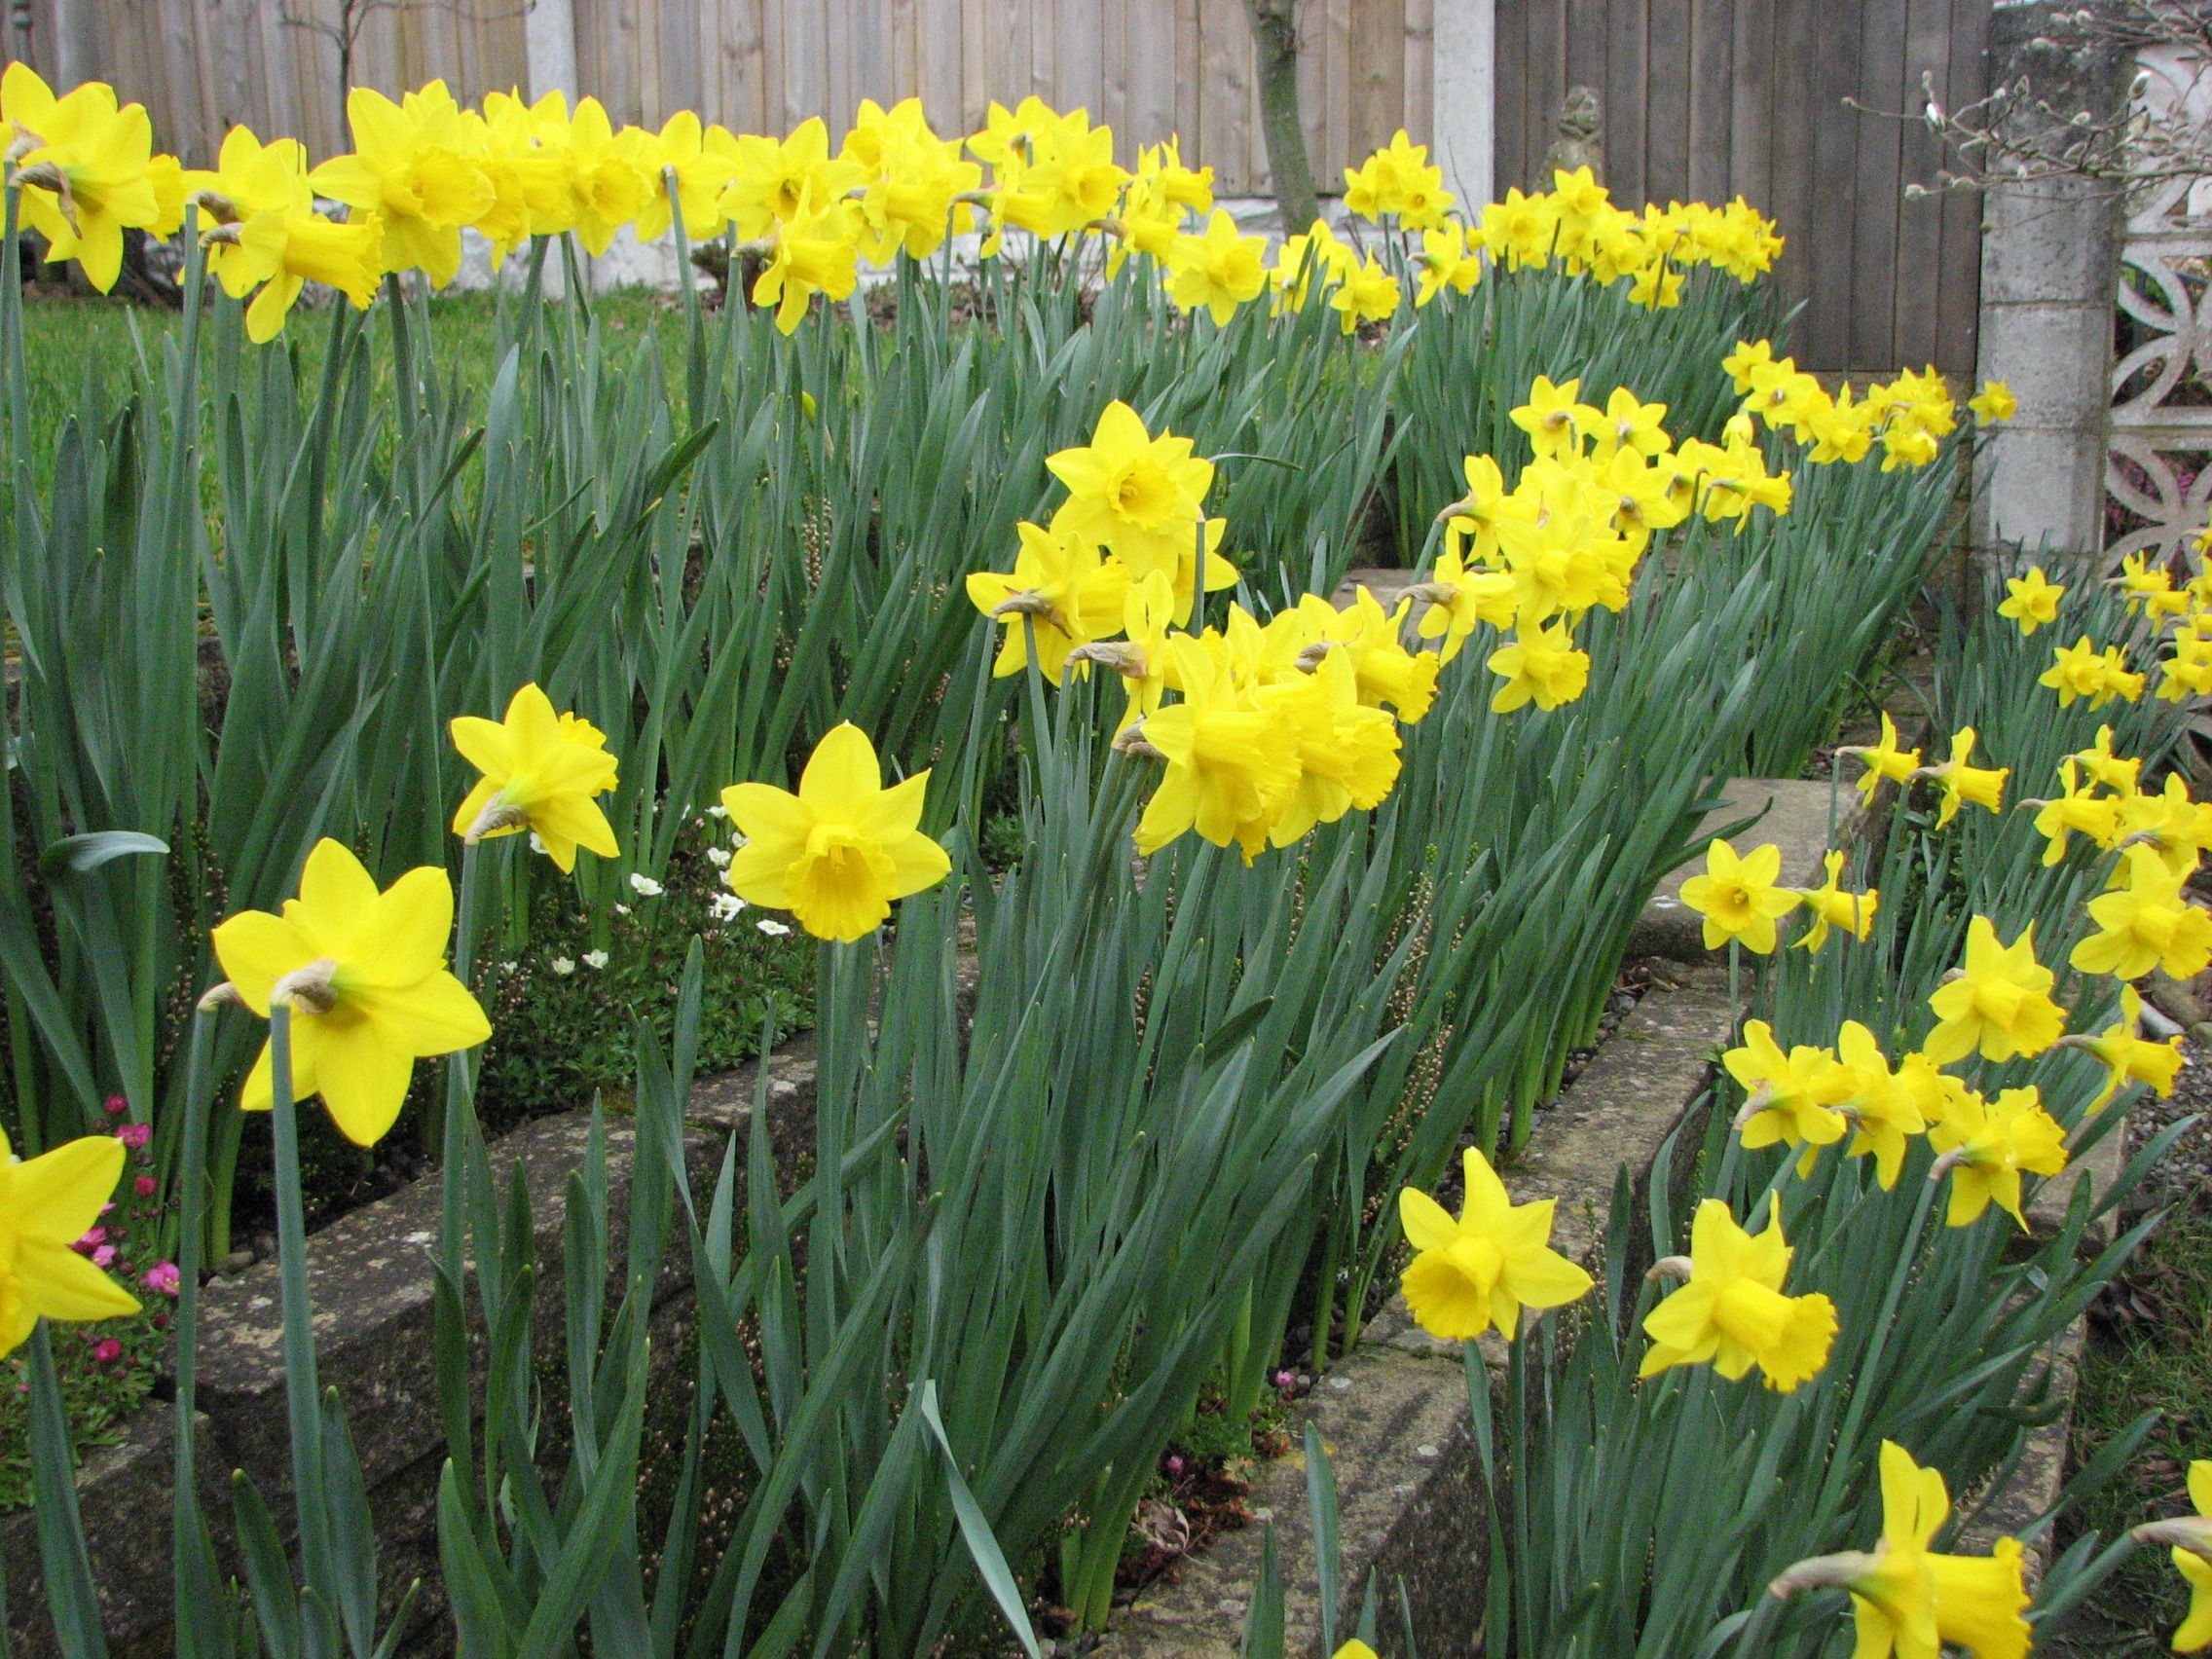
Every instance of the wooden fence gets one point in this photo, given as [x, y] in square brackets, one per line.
[1709, 99]
[1703, 98]
[1147, 67]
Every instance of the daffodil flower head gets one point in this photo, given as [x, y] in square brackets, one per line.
[2032, 600]
[2179, 828]
[1060, 594]
[1732, 1313]
[1993, 403]
[1831, 907]
[2143, 923]
[543, 772]
[47, 1204]
[89, 178]
[2189, 1538]
[1218, 271]
[1887, 760]
[2128, 1057]
[1539, 664]
[2107, 771]
[1885, 1108]
[1909, 1600]
[1790, 1097]
[1138, 497]
[1998, 1002]
[364, 975]
[1739, 898]
[1460, 600]
[1478, 1271]
[1985, 1145]
[1959, 781]
[1231, 767]
[838, 852]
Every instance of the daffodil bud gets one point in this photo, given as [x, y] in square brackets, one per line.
[221, 994]
[311, 988]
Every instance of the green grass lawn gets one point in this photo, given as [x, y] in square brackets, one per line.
[2154, 1352]
[71, 344]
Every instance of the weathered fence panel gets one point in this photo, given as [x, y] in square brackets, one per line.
[1712, 99]
[1149, 67]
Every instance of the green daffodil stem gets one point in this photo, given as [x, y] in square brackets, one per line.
[69, 1593]
[192, 1556]
[1757, 1636]
[456, 1115]
[303, 1394]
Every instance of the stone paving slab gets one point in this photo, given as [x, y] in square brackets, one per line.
[1393, 1416]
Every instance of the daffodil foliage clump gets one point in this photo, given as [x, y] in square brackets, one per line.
[1313, 890]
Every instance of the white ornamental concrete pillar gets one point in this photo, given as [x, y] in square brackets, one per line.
[1464, 134]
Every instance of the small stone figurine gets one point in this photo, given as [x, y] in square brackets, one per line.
[1581, 140]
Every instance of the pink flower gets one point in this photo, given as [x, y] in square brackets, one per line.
[107, 1353]
[104, 1257]
[1174, 1464]
[162, 1276]
[116, 1105]
[134, 1135]
[92, 1242]
[145, 1185]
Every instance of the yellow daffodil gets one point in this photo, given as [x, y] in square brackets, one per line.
[1397, 181]
[2106, 769]
[1885, 1108]
[1959, 781]
[2127, 1055]
[1479, 1270]
[1540, 665]
[1347, 750]
[1386, 671]
[1999, 1001]
[814, 254]
[1911, 1601]
[2081, 670]
[2032, 600]
[1447, 262]
[1738, 897]
[839, 851]
[87, 176]
[1553, 416]
[1230, 766]
[543, 772]
[1833, 907]
[1060, 594]
[1993, 403]
[1886, 758]
[1139, 497]
[2189, 1540]
[364, 974]
[411, 167]
[774, 181]
[2074, 811]
[1460, 599]
[47, 1204]
[1790, 1098]
[1732, 1313]
[2179, 828]
[2143, 923]
[1218, 271]
[1985, 1145]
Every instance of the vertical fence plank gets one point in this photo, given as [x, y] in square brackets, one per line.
[1666, 113]
[1750, 135]
[1511, 92]
[1959, 288]
[1711, 97]
[1919, 258]
[1419, 97]
[1625, 93]
[1829, 231]
[1875, 206]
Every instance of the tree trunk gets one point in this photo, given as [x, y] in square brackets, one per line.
[1274, 31]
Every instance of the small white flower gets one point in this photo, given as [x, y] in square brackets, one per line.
[725, 907]
[645, 886]
[719, 857]
[509, 967]
[737, 840]
[621, 909]
[717, 810]
[771, 927]
[595, 959]
[561, 966]
[536, 845]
